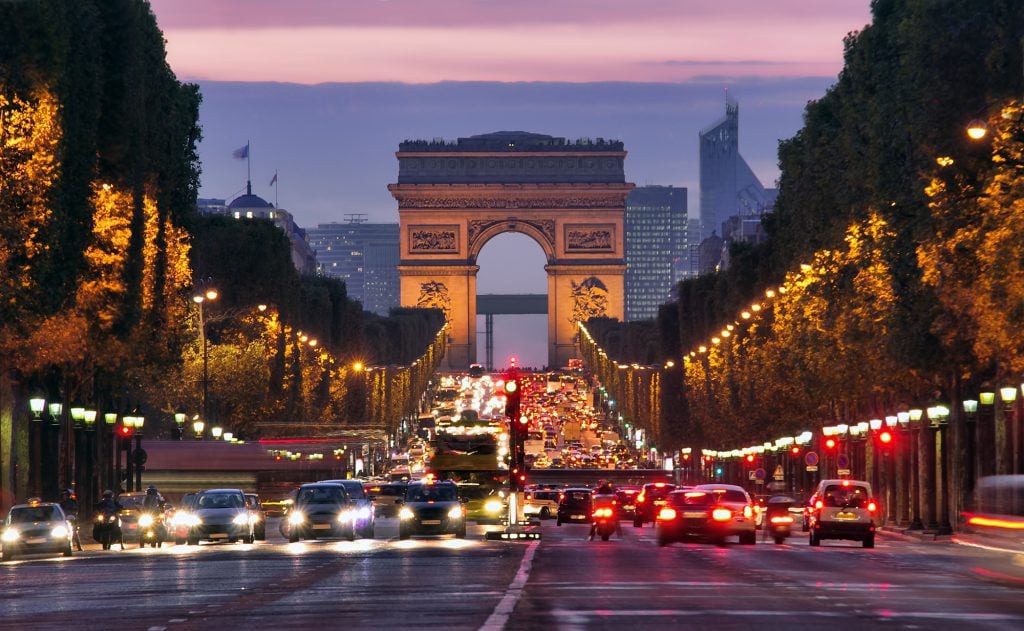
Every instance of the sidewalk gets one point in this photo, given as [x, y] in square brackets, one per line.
[914, 535]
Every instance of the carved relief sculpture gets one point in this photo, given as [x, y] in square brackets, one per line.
[433, 239]
[434, 295]
[590, 238]
[589, 300]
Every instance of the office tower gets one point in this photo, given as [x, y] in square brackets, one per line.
[656, 231]
[364, 255]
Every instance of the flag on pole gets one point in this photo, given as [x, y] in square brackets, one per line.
[242, 153]
[273, 180]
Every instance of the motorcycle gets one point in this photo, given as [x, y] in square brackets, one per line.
[152, 530]
[106, 529]
[606, 522]
[73, 527]
[778, 520]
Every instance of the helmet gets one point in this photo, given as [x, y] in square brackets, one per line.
[108, 493]
[151, 490]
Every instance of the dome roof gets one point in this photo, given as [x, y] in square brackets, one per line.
[249, 201]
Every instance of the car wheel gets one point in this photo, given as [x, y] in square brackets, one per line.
[461, 532]
[9, 554]
[606, 536]
[869, 541]
[293, 538]
[748, 538]
[67, 551]
[779, 540]
[814, 541]
[261, 533]
[545, 513]
[192, 541]
[403, 533]
[638, 523]
[663, 539]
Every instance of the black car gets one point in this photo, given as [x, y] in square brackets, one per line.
[576, 505]
[432, 508]
[323, 509]
[652, 497]
[364, 510]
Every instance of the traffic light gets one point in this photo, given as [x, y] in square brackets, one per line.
[512, 395]
[830, 443]
[795, 450]
[885, 438]
[750, 458]
[124, 437]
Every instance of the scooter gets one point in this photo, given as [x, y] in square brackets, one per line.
[106, 529]
[151, 530]
[605, 522]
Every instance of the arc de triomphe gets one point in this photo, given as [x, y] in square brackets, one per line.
[569, 197]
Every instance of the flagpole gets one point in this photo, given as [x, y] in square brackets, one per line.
[248, 160]
[277, 185]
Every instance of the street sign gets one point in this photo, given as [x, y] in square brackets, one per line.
[812, 467]
[844, 472]
[811, 459]
[843, 461]
[779, 473]
[760, 474]
[751, 475]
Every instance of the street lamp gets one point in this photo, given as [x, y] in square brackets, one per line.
[179, 422]
[197, 427]
[939, 415]
[204, 294]
[1008, 395]
[915, 415]
[216, 431]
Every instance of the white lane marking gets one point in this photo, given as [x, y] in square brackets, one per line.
[578, 616]
[499, 617]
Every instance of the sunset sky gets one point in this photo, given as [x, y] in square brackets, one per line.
[325, 90]
[424, 41]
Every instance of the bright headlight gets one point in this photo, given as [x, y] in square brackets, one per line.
[10, 535]
[241, 519]
[455, 512]
[405, 513]
[296, 518]
[145, 520]
[59, 532]
[345, 516]
[364, 513]
[492, 506]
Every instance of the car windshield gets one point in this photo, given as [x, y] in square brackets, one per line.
[431, 493]
[577, 497]
[659, 491]
[33, 513]
[130, 501]
[546, 495]
[321, 495]
[220, 500]
[354, 489]
[692, 498]
[852, 496]
[392, 491]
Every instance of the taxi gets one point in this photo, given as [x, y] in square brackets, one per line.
[35, 527]
[843, 509]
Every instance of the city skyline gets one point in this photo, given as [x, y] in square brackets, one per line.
[331, 146]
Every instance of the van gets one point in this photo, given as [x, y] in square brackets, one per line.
[843, 509]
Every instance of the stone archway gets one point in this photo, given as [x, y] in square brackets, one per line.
[569, 197]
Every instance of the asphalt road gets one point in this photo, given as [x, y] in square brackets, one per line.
[563, 582]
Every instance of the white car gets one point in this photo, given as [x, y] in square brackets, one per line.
[542, 503]
[843, 509]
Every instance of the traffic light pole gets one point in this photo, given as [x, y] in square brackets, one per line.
[517, 464]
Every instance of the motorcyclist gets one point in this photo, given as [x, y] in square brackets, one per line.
[69, 504]
[108, 504]
[605, 498]
[153, 501]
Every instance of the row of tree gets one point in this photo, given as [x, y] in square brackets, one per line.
[895, 240]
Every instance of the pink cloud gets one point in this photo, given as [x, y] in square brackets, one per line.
[420, 41]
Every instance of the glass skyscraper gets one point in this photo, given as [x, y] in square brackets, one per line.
[656, 248]
[365, 256]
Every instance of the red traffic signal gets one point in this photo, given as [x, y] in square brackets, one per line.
[750, 458]
[124, 432]
[795, 451]
[885, 438]
[830, 443]
[524, 421]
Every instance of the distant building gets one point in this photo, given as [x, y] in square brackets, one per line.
[251, 206]
[365, 256]
[728, 187]
[655, 232]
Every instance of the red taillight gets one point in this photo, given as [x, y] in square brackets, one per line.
[782, 520]
[603, 512]
[722, 514]
[871, 507]
[659, 484]
[667, 514]
[819, 504]
[748, 512]
[642, 497]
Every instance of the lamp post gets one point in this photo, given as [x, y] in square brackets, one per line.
[902, 468]
[197, 427]
[1011, 454]
[110, 448]
[139, 455]
[970, 438]
[37, 404]
[179, 424]
[201, 297]
[915, 415]
[216, 431]
[940, 421]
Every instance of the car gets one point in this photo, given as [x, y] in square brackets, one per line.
[365, 511]
[220, 515]
[131, 510]
[35, 527]
[255, 506]
[483, 504]
[182, 518]
[387, 497]
[432, 508]
[575, 505]
[707, 511]
[652, 497]
[322, 509]
[843, 509]
[625, 501]
[541, 502]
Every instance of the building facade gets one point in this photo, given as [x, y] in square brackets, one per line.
[728, 187]
[365, 256]
[656, 231]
